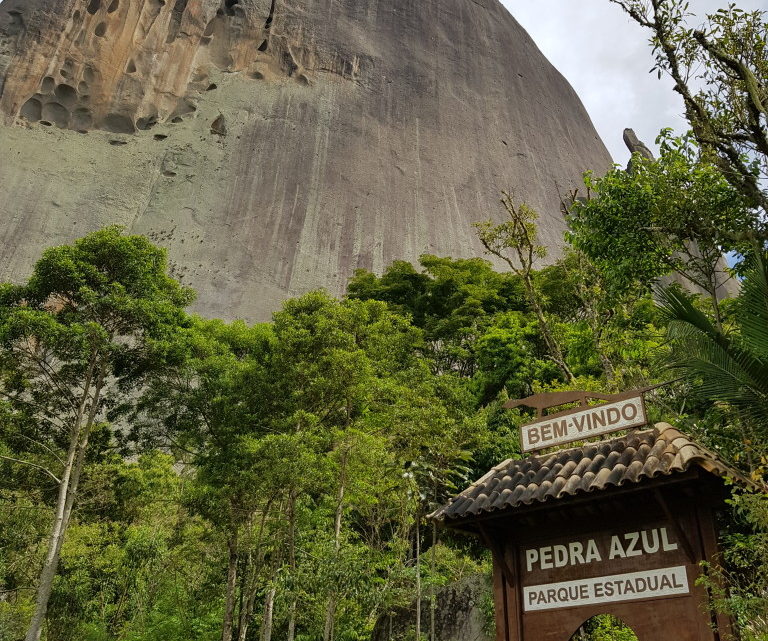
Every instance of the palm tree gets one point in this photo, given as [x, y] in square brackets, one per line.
[726, 367]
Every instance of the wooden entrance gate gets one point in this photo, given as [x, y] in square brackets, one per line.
[618, 527]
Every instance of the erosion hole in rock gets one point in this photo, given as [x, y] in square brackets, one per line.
[230, 5]
[117, 143]
[289, 64]
[131, 68]
[264, 45]
[212, 86]
[210, 28]
[114, 6]
[119, 124]
[176, 120]
[66, 95]
[64, 73]
[146, 123]
[94, 6]
[219, 126]
[82, 120]
[82, 88]
[76, 16]
[257, 75]
[32, 110]
[89, 74]
[303, 80]
[46, 123]
[183, 107]
[56, 113]
[160, 136]
[48, 85]
[101, 29]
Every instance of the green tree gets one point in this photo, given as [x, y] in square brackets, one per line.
[212, 408]
[452, 301]
[516, 243]
[721, 71]
[90, 324]
[299, 432]
[673, 215]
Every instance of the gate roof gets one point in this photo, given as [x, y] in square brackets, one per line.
[631, 459]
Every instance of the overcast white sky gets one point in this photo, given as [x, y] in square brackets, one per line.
[606, 58]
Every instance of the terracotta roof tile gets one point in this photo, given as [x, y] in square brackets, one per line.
[662, 451]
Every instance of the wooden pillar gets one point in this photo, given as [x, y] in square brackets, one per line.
[710, 552]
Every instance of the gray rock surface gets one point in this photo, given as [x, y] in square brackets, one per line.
[276, 147]
[635, 145]
[463, 612]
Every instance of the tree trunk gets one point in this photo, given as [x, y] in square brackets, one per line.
[330, 611]
[229, 607]
[247, 591]
[610, 372]
[70, 479]
[330, 619]
[269, 611]
[432, 599]
[250, 580]
[292, 621]
[716, 308]
[418, 579]
[552, 345]
[292, 561]
[45, 583]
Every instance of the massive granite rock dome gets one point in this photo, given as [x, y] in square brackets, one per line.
[276, 145]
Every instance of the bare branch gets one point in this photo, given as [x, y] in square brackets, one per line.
[35, 465]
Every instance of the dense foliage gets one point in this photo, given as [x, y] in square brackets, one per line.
[249, 481]
[169, 478]
[268, 479]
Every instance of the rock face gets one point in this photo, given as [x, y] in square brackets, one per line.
[463, 612]
[274, 146]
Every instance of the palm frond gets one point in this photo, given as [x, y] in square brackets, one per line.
[678, 308]
[753, 307]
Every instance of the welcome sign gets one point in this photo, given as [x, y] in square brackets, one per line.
[584, 423]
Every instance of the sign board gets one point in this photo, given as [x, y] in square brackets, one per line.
[583, 423]
[607, 567]
[648, 584]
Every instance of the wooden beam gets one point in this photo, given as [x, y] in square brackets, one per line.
[681, 535]
[499, 554]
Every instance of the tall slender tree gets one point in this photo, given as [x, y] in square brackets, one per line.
[516, 242]
[90, 324]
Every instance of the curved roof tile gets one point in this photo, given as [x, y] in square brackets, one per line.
[648, 454]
